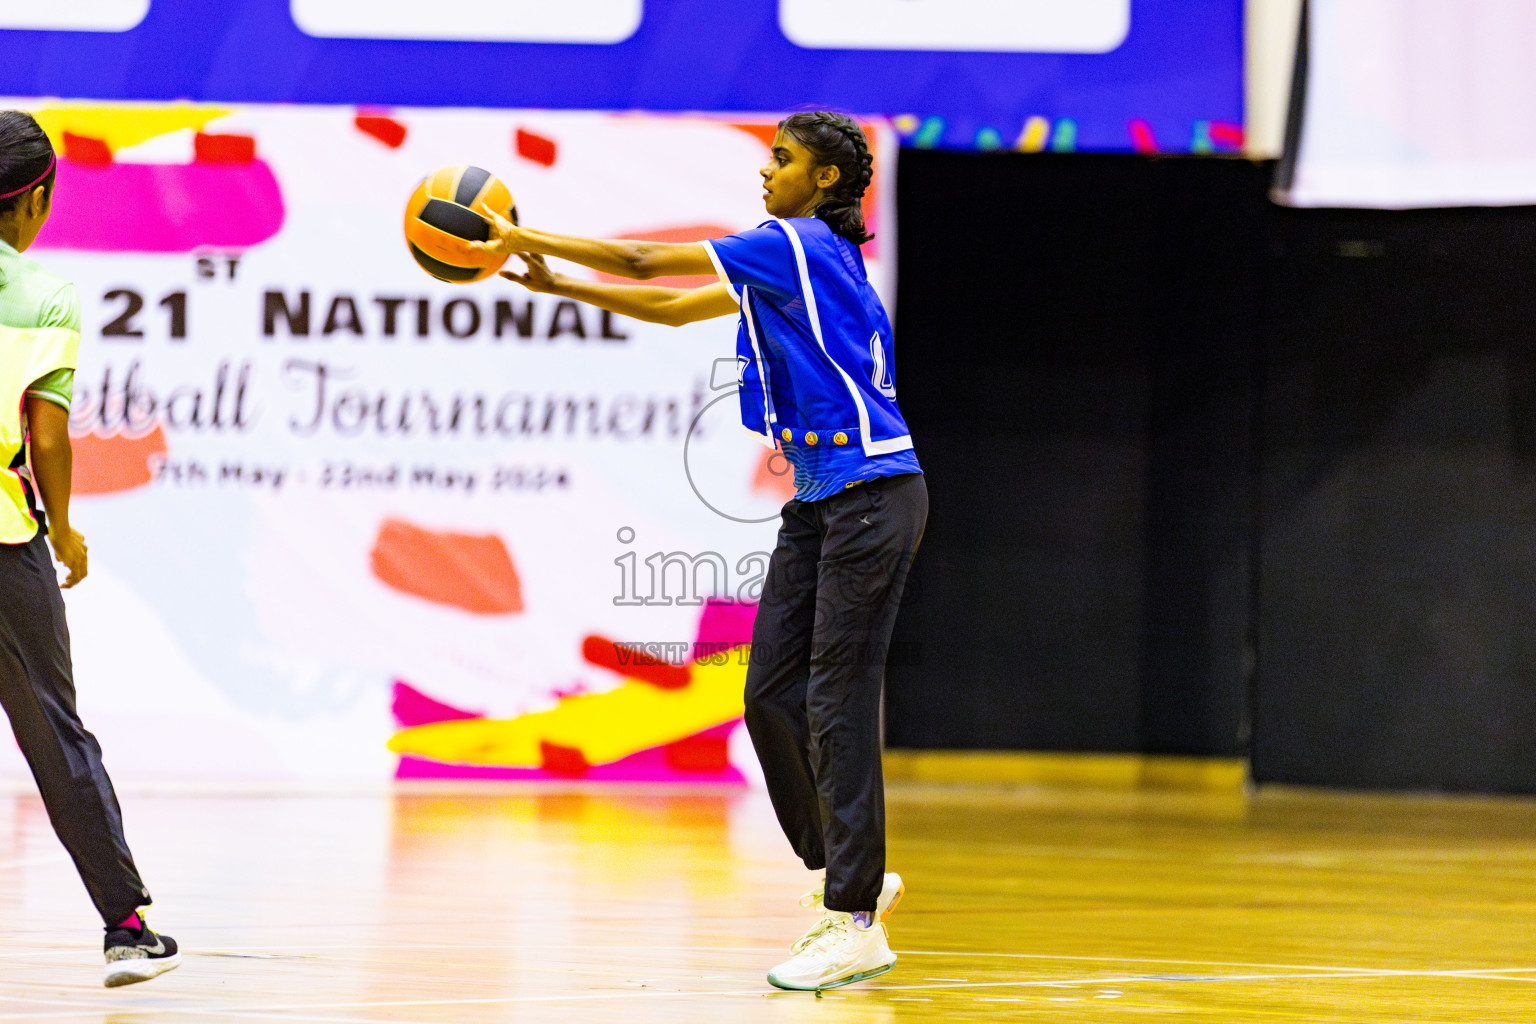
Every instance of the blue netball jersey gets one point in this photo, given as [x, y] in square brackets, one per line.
[815, 355]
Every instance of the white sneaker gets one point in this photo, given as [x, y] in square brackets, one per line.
[841, 953]
[891, 891]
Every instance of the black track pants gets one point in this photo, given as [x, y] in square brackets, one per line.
[819, 647]
[37, 691]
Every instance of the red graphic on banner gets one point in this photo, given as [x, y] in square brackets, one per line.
[633, 664]
[559, 760]
[474, 573]
[223, 149]
[685, 233]
[84, 150]
[870, 205]
[107, 465]
[386, 129]
[763, 133]
[706, 752]
[536, 148]
[774, 476]
[1227, 134]
[1142, 137]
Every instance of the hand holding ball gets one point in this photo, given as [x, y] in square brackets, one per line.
[450, 209]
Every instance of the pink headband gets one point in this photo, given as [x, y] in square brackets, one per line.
[52, 159]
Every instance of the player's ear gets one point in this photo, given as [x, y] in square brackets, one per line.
[37, 200]
[828, 176]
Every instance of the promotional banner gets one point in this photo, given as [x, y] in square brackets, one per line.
[1418, 103]
[349, 522]
[1103, 75]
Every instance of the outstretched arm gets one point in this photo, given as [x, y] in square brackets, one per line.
[621, 257]
[52, 461]
[671, 306]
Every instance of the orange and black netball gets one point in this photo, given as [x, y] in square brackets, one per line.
[449, 209]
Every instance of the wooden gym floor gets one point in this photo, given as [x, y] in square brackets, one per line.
[1031, 904]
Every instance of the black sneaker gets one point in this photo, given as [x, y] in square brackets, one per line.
[138, 955]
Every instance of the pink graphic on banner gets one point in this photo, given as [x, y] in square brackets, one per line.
[169, 207]
[724, 625]
[703, 757]
[412, 707]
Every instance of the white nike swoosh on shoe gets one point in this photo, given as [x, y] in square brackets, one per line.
[119, 953]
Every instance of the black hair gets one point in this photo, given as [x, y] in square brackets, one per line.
[836, 140]
[25, 156]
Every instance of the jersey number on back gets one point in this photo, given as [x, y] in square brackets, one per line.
[881, 376]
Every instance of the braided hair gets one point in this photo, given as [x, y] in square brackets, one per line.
[836, 140]
[26, 158]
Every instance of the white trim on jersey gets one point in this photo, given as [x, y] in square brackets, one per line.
[871, 447]
[769, 416]
[725, 278]
[741, 297]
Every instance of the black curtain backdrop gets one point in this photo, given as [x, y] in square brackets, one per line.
[1397, 621]
[1214, 477]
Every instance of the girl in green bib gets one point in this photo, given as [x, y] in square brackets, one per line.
[39, 344]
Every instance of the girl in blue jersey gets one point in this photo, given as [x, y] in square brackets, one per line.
[817, 381]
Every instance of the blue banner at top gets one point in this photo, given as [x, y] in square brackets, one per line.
[1104, 75]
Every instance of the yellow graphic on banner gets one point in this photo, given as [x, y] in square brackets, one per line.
[603, 727]
[126, 125]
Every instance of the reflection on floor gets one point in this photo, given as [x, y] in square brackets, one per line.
[1028, 904]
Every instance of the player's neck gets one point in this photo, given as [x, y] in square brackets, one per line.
[809, 210]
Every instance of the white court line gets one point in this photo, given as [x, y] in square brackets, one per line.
[32, 862]
[1179, 963]
[282, 1013]
[286, 1012]
[307, 1011]
[298, 949]
[295, 948]
[1483, 973]
[40, 1002]
[239, 1014]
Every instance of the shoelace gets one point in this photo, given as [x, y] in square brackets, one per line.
[817, 930]
[830, 933]
[813, 900]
